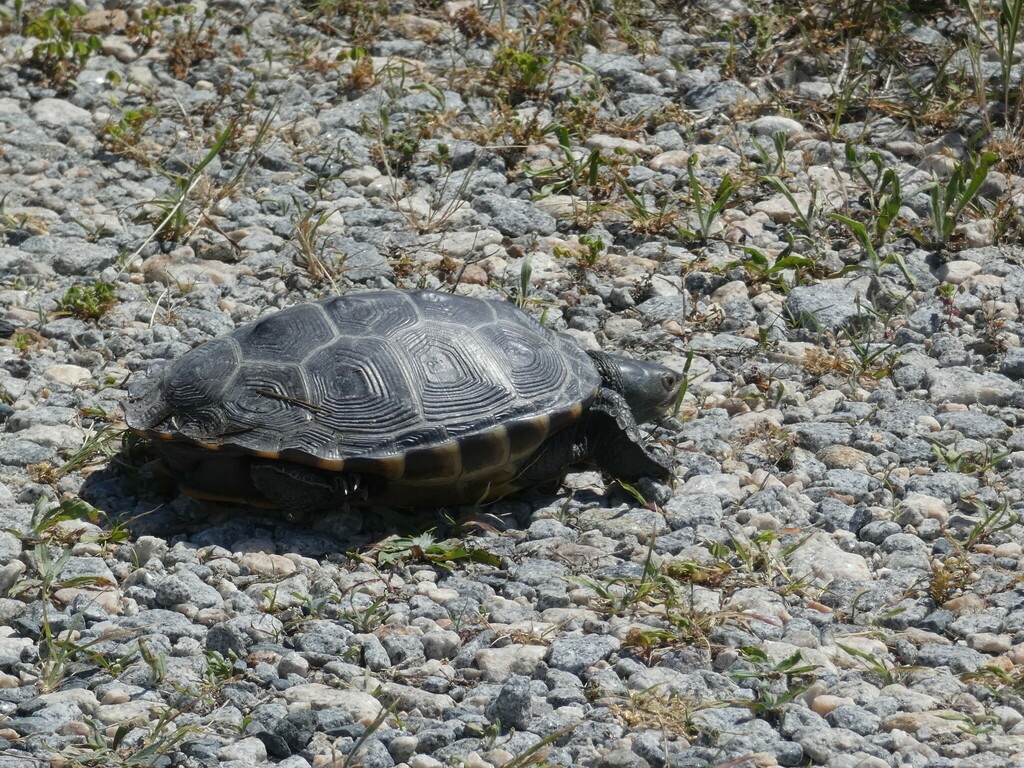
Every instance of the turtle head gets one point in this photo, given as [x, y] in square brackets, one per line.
[649, 388]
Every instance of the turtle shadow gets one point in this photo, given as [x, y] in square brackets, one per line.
[150, 505]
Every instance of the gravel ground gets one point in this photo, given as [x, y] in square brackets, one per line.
[794, 205]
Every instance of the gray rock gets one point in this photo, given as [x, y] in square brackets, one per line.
[296, 729]
[621, 758]
[817, 435]
[878, 531]
[513, 706]
[238, 634]
[909, 376]
[373, 754]
[720, 95]
[403, 649]
[22, 453]
[208, 323]
[834, 515]
[661, 308]
[442, 644]
[963, 385]
[855, 719]
[974, 424]
[186, 587]
[515, 218]
[958, 659]
[362, 262]
[944, 485]
[1012, 364]
[829, 305]
[692, 510]
[576, 653]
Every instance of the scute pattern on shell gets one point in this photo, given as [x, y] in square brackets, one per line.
[367, 375]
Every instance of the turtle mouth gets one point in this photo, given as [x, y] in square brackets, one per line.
[672, 383]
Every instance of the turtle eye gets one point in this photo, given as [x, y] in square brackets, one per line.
[669, 380]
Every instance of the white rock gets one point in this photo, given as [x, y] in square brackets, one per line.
[116, 696]
[407, 698]
[130, 713]
[266, 564]
[250, 750]
[119, 47]
[140, 74]
[956, 272]
[825, 402]
[68, 374]
[82, 698]
[108, 599]
[676, 158]
[461, 245]
[734, 290]
[9, 576]
[858, 644]
[360, 177]
[725, 487]
[958, 384]
[989, 642]
[361, 705]
[977, 233]
[926, 506]
[771, 124]
[827, 702]
[496, 664]
[286, 593]
[293, 664]
[417, 208]
[1008, 716]
[820, 558]
[1008, 549]
[58, 112]
[13, 646]
[779, 209]
[611, 144]
[64, 436]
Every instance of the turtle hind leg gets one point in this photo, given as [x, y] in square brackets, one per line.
[615, 444]
[302, 490]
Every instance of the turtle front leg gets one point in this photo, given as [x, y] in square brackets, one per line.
[607, 436]
[615, 444]
[305, 489]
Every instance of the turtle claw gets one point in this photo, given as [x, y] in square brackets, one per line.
[350, 487]
[304, 489]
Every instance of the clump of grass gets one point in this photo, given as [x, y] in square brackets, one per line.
[357, 20]
[191, 43]
[950, 576]
[124, 136]
[62, 51]
[949, 199]
[775, 684]
[656, 711]
[88, 302]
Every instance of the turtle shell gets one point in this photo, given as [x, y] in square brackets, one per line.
[419, 389]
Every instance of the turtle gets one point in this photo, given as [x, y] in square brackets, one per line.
[395, 398]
